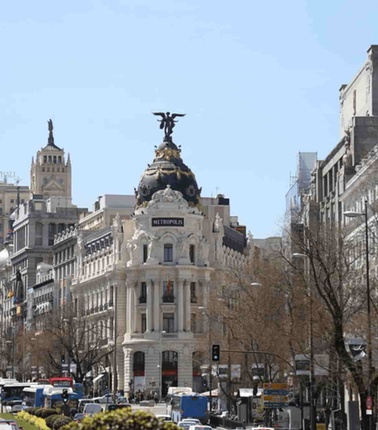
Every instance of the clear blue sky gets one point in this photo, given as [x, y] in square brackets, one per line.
[258, 81]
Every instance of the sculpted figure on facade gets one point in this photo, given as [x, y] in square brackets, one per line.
[203, 252]
[167, 196]
[347, 157]
[131, 249]
[218, 224]
[153, 247]
[183, 247]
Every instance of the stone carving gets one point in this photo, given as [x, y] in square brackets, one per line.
[347, 157]
[218, 224]
[153, 247]
[167, 196]
[183, 247]
[203, 252]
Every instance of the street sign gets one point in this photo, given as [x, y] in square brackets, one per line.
[275, 395]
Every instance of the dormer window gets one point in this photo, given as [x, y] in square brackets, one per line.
[168, 253]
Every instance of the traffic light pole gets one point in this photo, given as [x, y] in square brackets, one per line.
[215, 356]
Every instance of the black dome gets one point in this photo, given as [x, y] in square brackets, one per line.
[168, 169]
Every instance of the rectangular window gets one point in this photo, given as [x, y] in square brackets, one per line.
[192, 253]
[168, 296]
[193, 323]
[143, 293]
[169, 323]
[144, 323]
[145, 253]
[168, 252]
[193, 296]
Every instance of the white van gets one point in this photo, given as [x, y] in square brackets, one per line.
[92, 408]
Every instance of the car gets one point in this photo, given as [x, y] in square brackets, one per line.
[191, 420]
[83, 402]
[164, 417]
[200, 427]
[12, 404]
[113, 406]
[79, 417]
[107, 398]
[17, 408]
[8, 425]
[149, 403]
[92, 408]
[184, 426]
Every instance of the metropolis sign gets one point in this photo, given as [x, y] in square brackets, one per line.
[167, 222]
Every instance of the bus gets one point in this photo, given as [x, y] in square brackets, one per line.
[61, 381]
[13, 391]
[33, 397]
[188, 406]
[78, 388]
[175, 391]
[53, 397]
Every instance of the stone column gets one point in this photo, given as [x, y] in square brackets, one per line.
[180, 305]
[156, 306]
[134, 301]
[149, 306]
[128, 308]
[186, 287]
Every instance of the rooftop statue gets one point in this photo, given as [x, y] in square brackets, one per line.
[167, 122]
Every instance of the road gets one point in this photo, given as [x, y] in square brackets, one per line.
[160, 408]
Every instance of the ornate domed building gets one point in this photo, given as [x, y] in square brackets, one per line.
[168, 169]
[155, 270]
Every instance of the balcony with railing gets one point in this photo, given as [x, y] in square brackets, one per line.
[168, 298]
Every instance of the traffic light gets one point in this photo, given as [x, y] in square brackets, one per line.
[65, 395]
[62, 359]
[215, 352]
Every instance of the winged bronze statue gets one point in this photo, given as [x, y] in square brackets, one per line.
[167, 121]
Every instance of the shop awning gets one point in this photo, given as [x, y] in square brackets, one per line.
[98, 377]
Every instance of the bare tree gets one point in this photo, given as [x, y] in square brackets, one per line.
[330, 270]
[78, 340]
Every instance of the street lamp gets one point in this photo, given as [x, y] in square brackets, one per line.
[351, 214]
[311, 346]
[204, 312]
